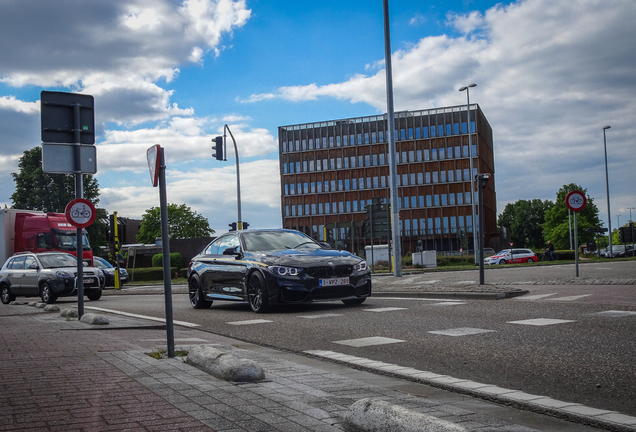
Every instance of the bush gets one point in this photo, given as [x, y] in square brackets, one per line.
[175, 260]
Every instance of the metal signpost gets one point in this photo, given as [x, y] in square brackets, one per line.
[576, 201]
[68, 124]
[482, 182]
[157, 166]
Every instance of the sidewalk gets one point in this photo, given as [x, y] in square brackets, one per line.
[61, 374]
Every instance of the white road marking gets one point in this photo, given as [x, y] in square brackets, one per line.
[462, 331]
[149, 318]
[449, 303]
[250, 322]
[386, 309]
[319, 316]
[182, 340]
[534, 297]
[369, 341]
[569, 298]
[614, 313]
[541, 321]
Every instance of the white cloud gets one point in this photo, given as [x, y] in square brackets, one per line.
[550, 74]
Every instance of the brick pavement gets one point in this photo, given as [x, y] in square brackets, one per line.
[64, 375]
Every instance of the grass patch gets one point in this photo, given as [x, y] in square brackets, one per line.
[162, 353]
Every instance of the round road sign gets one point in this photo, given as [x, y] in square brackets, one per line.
[80, 213]
[575, 201]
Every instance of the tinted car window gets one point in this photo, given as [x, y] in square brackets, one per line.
[18, 263]
[226, 242]
[277, 240]
[29, 261]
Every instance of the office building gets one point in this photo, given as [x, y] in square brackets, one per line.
[332, 170]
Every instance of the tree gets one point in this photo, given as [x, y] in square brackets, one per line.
[37, 190]
[556, 225]
[182, 223]
[524, 219]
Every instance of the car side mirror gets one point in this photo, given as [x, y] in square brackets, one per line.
[232, 251]
[33, 266]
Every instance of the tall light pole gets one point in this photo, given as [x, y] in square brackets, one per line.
[631, 227]
[609, 214]
[239, 221]
[395, 208]
[472, 177]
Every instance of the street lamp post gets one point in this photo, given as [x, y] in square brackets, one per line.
[609, 214]
[472, 177]
[239, 221]
[631, 226]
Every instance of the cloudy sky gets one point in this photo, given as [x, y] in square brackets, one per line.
[550, 74]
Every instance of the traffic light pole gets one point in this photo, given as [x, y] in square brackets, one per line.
[238, 176]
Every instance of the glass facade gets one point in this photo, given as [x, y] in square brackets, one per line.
[331, 171]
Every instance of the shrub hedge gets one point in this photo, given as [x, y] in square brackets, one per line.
[175, 260]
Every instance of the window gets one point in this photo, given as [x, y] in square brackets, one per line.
[449, 152]
[348, 206]
[382, 181]
[451, 175]
[460, 198]
[435, 176]
[453, 224]
[381, 158]
[434, 154]
[406, 202]
[313, 187]
[428, 177]
[451, 199]
[421, 201]
[418, 155]
[304, 166]
[286, 189]
[405, 179]
[339, 163]
[354, 184]
[346, 184]
[320, 209]
[413, 201]
[375, 160]
[444, 200]
[425, 132]
[410, 131]
[442, 176]
[340, 185]
[292, 189]
[413, 178]
[427, 155]
[445, 222]
[327, 208]
[420, 178]
[436, 199]
[467, 197]
[429, 224]
[438, 228]
[411, 156]
[367, 160]
[442, 153]
[458, 173]
[286, 210]
[366, 137]
[355, 206]
[368, 182]
[319, 187]
[376, 182]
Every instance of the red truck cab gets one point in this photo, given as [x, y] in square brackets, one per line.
[50, 231]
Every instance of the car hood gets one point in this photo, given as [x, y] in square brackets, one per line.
[310, 258]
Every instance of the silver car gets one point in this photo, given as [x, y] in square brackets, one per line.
[48, 275]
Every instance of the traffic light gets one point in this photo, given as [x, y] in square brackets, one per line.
[218, 148]
[245, 225]
[232, 226]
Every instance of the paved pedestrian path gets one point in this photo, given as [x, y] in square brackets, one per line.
[60, 374]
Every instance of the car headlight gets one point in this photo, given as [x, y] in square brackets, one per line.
[284, 271]
[63, 274]
[361, 266]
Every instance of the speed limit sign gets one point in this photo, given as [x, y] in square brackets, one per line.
[575, 201]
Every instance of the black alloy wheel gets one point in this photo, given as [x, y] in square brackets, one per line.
[196, 294]
[257, 293]
[94, 295]
[6, 295]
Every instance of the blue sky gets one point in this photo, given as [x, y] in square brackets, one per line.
[550, 74]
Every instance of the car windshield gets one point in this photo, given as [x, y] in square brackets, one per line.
[57, 260]
[277, 240]
[67, 241]
[101, 263]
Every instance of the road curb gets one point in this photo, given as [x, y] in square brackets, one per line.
[452, 295]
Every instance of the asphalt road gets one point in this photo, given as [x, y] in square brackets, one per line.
[586, 357]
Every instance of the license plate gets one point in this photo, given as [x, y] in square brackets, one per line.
[88, 281]
[334, 281]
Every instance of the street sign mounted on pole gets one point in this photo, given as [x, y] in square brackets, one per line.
[576, 201]
[69, 118]
[154, 160]
[80, 213]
